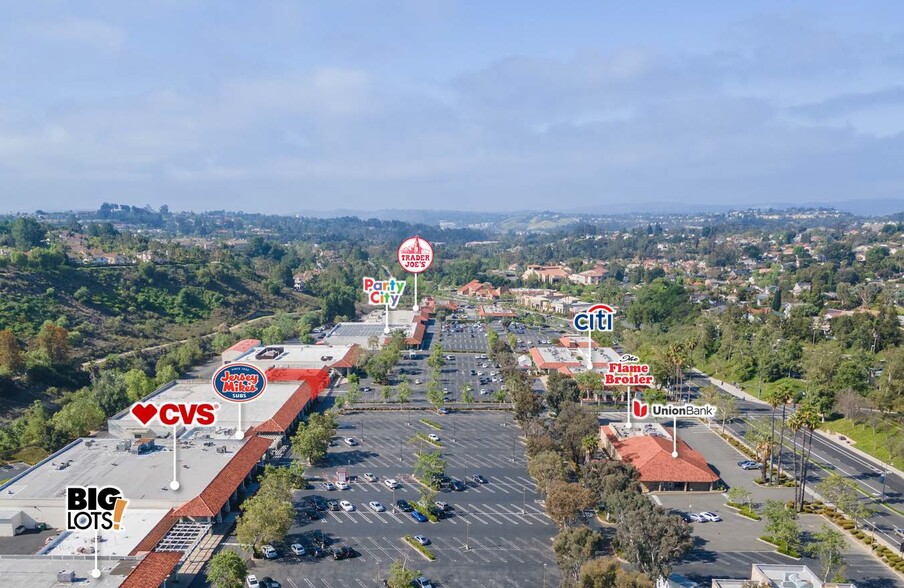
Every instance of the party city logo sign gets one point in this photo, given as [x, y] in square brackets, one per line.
[387, 292]
[642, 410]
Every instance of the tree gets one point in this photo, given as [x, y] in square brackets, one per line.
[166, 374]
[607, 479]
[560, 389]
[589, 383]
[80, 415]
[827, 546]
[436, 359]
[353, 395]
[546, 467]
[11, 361]
[404, 392]
[429, 465]
[805, 419]
[467, 394]
[35, 426]
[264, 519]
[527, 404]
[651, 540]
[435, 394]
[589, 445]
[400, 576]
[573, 423]
[311, 441]
[53, 342]
[26, 232]
[138, 384]
[386, 393]
[778, 396]
[777, 300]
[427, 499]
[782, 524]
[565, 501]
[573, 548]
[740, 495]
[608, 573]
[110, 390]
[843, 493]
[226, 569]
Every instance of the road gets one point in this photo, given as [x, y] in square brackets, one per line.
[829, 457]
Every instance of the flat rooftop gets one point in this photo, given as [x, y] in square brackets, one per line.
[296, 356]
[639, 430]
[253, 413]
[556, 357]
[136, 524]
[144, 479]
[41, 572]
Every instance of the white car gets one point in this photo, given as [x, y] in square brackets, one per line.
[350, 441]
[328, 486]
[342, 485]
[433, 437]
[370, 477]
[483, 391]
[251, 581]
[269, 552]
[376, 506]
[347, 506]
[417, 381]
[422, 540]
[391, 483]
[298, 549]
[711, 517]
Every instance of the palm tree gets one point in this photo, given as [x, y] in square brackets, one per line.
[774, 399]
[807, 419]
[589, 444]
[784, 394]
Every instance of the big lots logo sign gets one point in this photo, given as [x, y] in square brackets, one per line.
[201, 414]
[596, 318]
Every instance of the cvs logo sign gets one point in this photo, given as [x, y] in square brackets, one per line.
[170, 414]
[598, 317]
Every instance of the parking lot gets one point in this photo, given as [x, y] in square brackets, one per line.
[496, 534]
[468, 337]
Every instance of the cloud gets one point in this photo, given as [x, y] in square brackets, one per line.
[81, 31]
[848, 103]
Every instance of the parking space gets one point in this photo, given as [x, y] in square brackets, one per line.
[496, 534]
[466, 337]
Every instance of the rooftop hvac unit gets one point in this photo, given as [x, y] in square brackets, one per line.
[221, 449]
[123, 446]
[66, 576]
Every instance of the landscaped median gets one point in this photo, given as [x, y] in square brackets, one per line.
[421, 549]
[744, 510]
[426, 439]
[430, 516]
[432, 424]
[780, 546]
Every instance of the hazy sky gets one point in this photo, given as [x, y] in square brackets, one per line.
[283, 106]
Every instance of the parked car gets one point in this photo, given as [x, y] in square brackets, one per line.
[391, 483]
[693, 517]
[457, 485]
[319, 502]
[376, 506]
[422, 540]
[403, 505]
[268, 582]
[312, 514]
[333, 505]
[370, 477]
[350, 441]
[340, 485]
[433, 437]
[269, 552]
[422, 582]
[442, 410]
[418, 516]
[710, 517]
[298, 549]
[347, 506]
[748, 465]
[443, 506]
[328, 486]
[344, 553]
[317, 552]
[478, 479]
[251, 581]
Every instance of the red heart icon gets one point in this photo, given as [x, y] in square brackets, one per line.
[144, 412]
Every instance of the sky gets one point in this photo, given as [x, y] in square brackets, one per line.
[278, 107]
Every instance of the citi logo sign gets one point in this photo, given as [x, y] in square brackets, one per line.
[596, 318]
[641, 410]
[170, 414]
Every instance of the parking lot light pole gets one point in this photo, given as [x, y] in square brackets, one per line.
[362, 431]
[467, 535]
[524, 500]
[544, 575]
[400, 451]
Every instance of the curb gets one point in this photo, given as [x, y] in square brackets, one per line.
[830, 436]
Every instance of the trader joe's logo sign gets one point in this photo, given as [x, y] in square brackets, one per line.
[239, 382]
[415, 255]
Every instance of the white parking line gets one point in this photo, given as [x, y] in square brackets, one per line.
[325, 582]
[311, 584]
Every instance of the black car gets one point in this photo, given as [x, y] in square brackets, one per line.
[318, 502]
[457, 485]
[268, 582]
[332, 504]
[344, 553]
[318, 552]
[403, 505]
[312, 514]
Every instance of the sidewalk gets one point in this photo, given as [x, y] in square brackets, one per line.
[730, 388]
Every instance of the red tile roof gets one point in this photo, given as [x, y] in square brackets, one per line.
[245, 345]
[287, 413]
[157, 533]
[153, 570]
[566, 341]
[652, 456]
[350, 359]
[212, 498]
